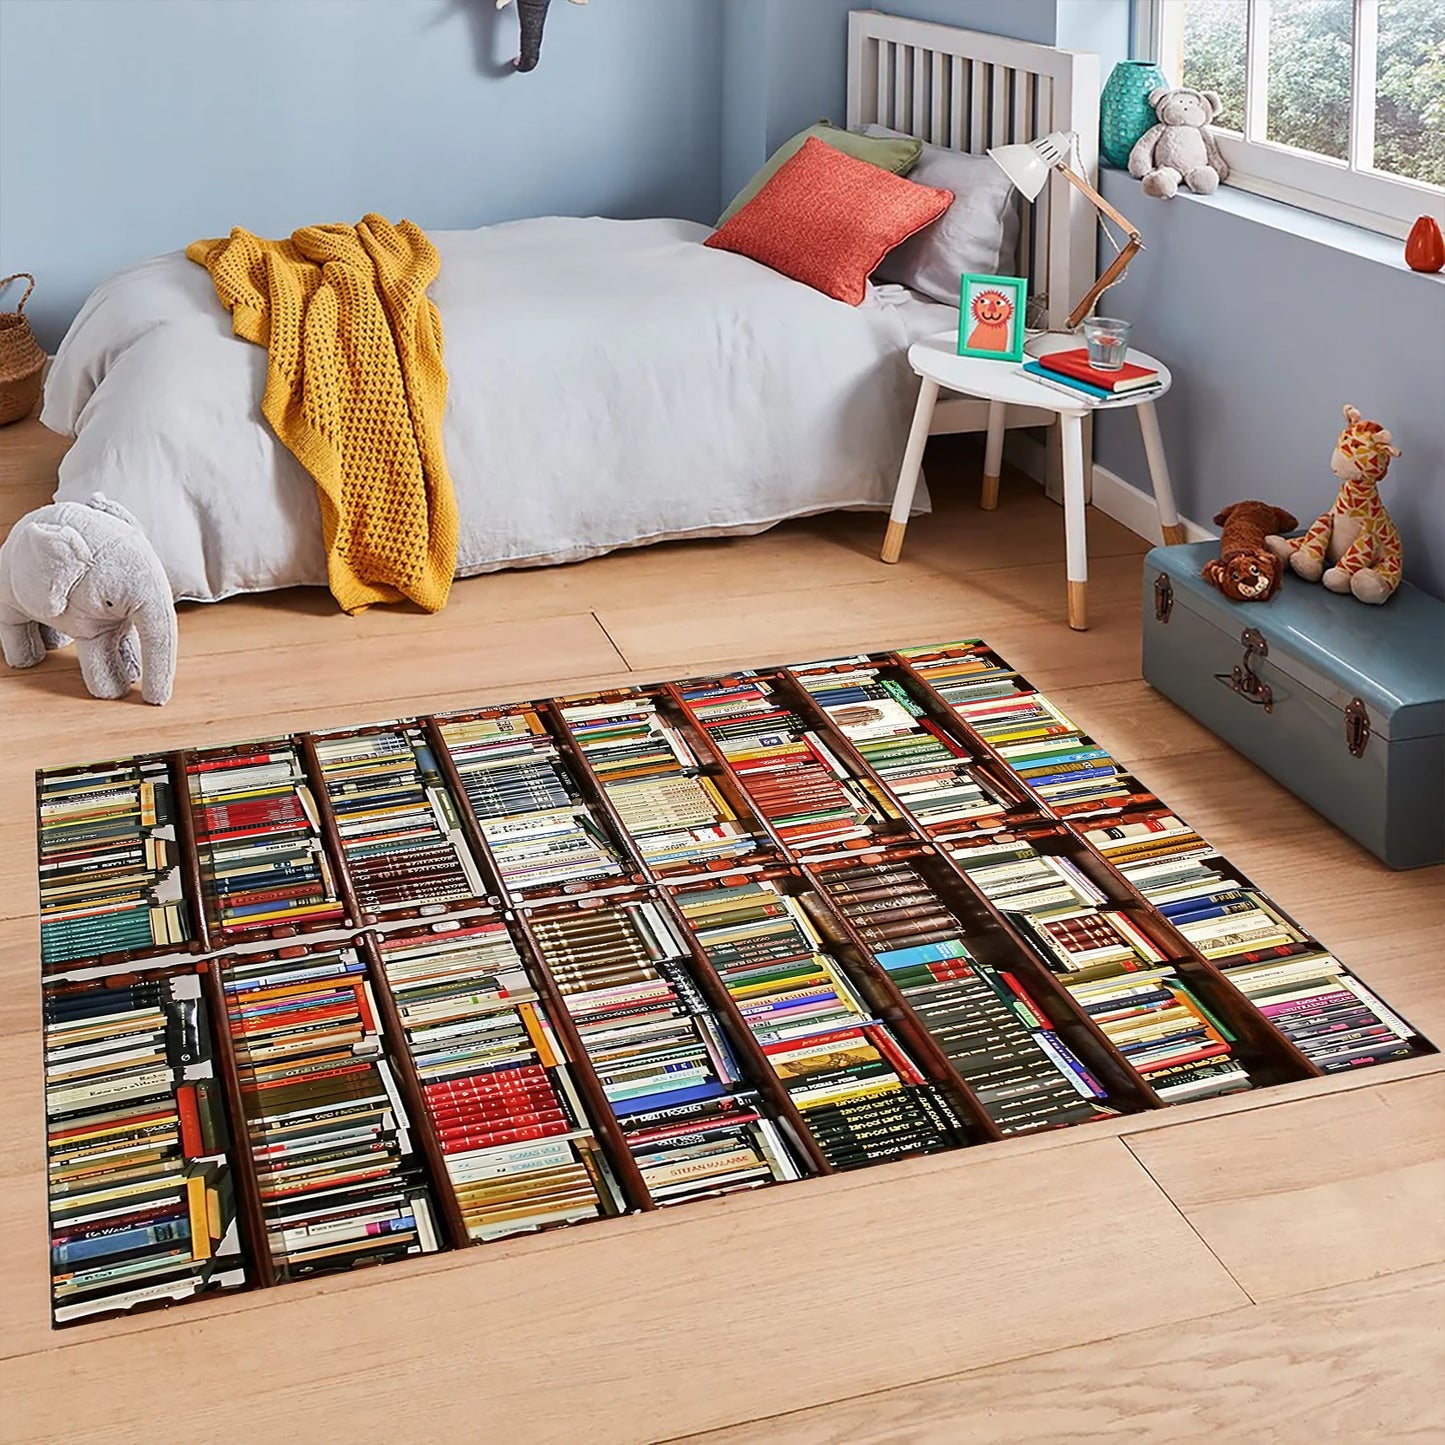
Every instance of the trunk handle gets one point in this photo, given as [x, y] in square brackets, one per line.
[1244, 680]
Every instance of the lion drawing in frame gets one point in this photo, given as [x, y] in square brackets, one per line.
[991, 317]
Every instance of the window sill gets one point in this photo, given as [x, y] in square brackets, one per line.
[1294, 221]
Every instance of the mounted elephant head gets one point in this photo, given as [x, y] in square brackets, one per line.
[532, 16]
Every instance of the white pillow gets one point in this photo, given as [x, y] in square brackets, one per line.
[978, 233]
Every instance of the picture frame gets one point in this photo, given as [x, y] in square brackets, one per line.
[991, 313]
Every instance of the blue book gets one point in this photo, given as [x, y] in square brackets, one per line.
[1068, 1062]
[1197, 903]
[98, 1246]
[1045, 779]
[1069, 383]
[1042, 760]
[646, 1103]
[1219, 910]
[842, 694]
[896, 958]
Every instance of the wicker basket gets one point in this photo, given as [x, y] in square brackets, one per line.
[22, 361]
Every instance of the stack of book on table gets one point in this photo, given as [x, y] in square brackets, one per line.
[1071, 372]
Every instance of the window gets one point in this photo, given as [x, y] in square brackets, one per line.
[1335, 105]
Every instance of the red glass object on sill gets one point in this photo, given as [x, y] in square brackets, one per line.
[1425, 246]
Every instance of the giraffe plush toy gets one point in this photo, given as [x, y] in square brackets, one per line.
[1354, 547]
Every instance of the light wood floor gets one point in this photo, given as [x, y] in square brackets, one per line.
[1266, 1268]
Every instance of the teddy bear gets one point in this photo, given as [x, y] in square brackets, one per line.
[85, 570]
[1247, 570]
[1179, 148]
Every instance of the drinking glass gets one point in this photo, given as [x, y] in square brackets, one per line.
[1108, 342]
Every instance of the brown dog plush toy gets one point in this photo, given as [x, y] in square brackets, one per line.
[1246, 570]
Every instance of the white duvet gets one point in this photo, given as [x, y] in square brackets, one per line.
[612, 383]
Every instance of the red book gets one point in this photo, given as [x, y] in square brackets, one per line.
[1075, 363]
[191, 1145]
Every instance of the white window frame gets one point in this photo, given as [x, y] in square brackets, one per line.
[1345, 190]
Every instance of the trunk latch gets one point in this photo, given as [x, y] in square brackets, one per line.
[1357, 728]
[1163, 597]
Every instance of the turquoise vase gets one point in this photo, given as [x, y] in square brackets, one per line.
[1124, 109]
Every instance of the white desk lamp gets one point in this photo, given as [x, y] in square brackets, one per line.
[1028, 167]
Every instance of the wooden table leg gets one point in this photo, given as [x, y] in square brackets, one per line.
[992, 456]
[1169, 522]
[908, 473]
[1076, 548]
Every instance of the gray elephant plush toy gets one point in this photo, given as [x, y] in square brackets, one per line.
[1179, 149]
[86, 570]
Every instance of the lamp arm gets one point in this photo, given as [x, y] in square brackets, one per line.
[1080, 184]
[1120, 262]
[1114, 272]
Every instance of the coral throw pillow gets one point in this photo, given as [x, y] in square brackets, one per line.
[827, 220]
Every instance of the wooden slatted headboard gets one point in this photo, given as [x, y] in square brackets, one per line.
[968, 91]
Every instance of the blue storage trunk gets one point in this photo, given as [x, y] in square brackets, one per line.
[1342, 703]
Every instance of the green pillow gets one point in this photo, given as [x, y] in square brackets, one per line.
[898, 154]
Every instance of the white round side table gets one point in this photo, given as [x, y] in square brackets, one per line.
[1002, 384]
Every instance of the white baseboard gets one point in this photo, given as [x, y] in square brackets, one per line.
[1134, 508]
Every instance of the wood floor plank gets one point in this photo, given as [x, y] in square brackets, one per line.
[19, 975]
[28, 462]
[1132, 721]
[792, 557]
[1360, 1362]
[993, 1280]
[1320, 1193]
[50, 718]
[1004, 604]
[795, 556]
[25, 1315]
[958, 538]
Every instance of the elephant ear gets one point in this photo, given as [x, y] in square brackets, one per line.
[46, 562]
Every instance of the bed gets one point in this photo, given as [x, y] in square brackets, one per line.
[612, 383]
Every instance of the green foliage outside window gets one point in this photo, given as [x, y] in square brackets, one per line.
[1310, 49]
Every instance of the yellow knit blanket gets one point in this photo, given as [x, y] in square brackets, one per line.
[355, 388]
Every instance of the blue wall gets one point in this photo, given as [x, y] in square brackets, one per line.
[1271, 320]
[130, 127]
